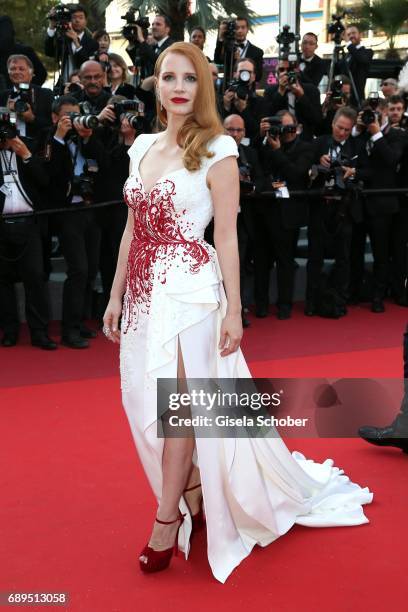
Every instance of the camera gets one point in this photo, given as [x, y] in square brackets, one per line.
[129, 31]
[245, 182]
[22, 98]
[124, 110]
[74, 88]
[336, 88]
[86, 121]
[83, 184]
[241, 85]
[61, 14]
[103, 62]
[8, 128]
[277, 129]
[230, 31]
[285, 39]
[334, 181]
[336, 27]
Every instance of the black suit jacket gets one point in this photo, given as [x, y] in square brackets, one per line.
[313, 70]
[147, 55]
[358, 62]
[381, 171]
[88, 48]
[33, 177]
[248, 155]
[290, 163]
[307, 108]
[254, 53]
[97, 102]
[42, 99]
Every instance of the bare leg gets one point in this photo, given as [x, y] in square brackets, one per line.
[177, 467]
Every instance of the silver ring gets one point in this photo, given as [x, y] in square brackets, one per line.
[106, 330]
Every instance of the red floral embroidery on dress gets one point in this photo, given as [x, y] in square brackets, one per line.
[156, 236]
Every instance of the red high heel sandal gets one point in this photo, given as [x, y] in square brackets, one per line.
[197, 519]
[158, 560]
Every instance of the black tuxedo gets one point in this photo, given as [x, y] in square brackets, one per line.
[383, 157]
[78, 232]
[252, 52]
[251, 115]
[87, 50]
[42, 99]
[21, 252]
[358, 62]
[307, 108]
[277, 220]
[97, 102]
[313, 70]
[330, 226]
[148, 54]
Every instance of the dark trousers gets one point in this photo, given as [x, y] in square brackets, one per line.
[273, 238]
[245, 234]
[112, 222]
[79, 237]
[21, 258]
[401, 422]
[399, 251]
[328, 229]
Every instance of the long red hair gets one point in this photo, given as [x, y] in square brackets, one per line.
[204, 123]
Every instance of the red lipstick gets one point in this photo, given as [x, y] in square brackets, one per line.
[179, 100]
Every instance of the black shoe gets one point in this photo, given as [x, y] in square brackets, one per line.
[310, 309]
[401, 301]
[384, 436]
[261, 312]
[74, 340]
[43, 341]
[284, 312]
[9, 339]
[377, 305]
[85, 332]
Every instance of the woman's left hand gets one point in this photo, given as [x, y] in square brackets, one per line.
[231, 334]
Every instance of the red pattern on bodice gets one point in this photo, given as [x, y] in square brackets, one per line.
[156, 236]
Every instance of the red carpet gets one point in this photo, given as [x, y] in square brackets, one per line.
[76, 508]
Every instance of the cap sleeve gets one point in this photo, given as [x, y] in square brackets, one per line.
[136, 147]
[222, 146]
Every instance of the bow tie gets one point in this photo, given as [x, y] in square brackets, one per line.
[242, 45]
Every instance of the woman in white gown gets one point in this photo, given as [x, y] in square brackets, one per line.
[178, 323]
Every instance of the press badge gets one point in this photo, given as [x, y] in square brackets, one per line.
[281, 191]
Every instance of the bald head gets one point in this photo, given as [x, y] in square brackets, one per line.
[92, 76]
[234, 126]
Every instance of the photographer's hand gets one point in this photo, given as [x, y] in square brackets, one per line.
[19, 148]
[228, 98]
[374, 128]
[70, 33]
[221, 30]
[239, 104]
[325, 160]
[297, 89]
[63, 127]
[28, 116]
[283, 84]
[139, 34]
[360, 126]
[274, 142]
[348, 172]
[84, 133]
[107, 114]
[264, 127]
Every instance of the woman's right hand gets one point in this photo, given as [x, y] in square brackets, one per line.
[111, 319]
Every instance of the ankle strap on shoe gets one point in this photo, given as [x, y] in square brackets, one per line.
[179, 518]
[192, 488]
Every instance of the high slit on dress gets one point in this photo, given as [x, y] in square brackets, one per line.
[254, 489]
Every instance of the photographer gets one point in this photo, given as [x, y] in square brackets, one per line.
[22, 180]
[286, 160]
[292, 93]
[8, 46]
[384, 152]
[74, 155]
[251, 179]
[242, 47]
[395, 111]
[357, 60]
[92, 78]
[139, 50]
[311, 65]
[121, 125]
[240, 98]
[338, 96]
[340, 161]
[68, 39]
[31, 103]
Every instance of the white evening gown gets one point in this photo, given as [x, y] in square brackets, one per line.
[254, 489]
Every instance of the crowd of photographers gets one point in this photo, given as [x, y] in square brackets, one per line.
[67, 150]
